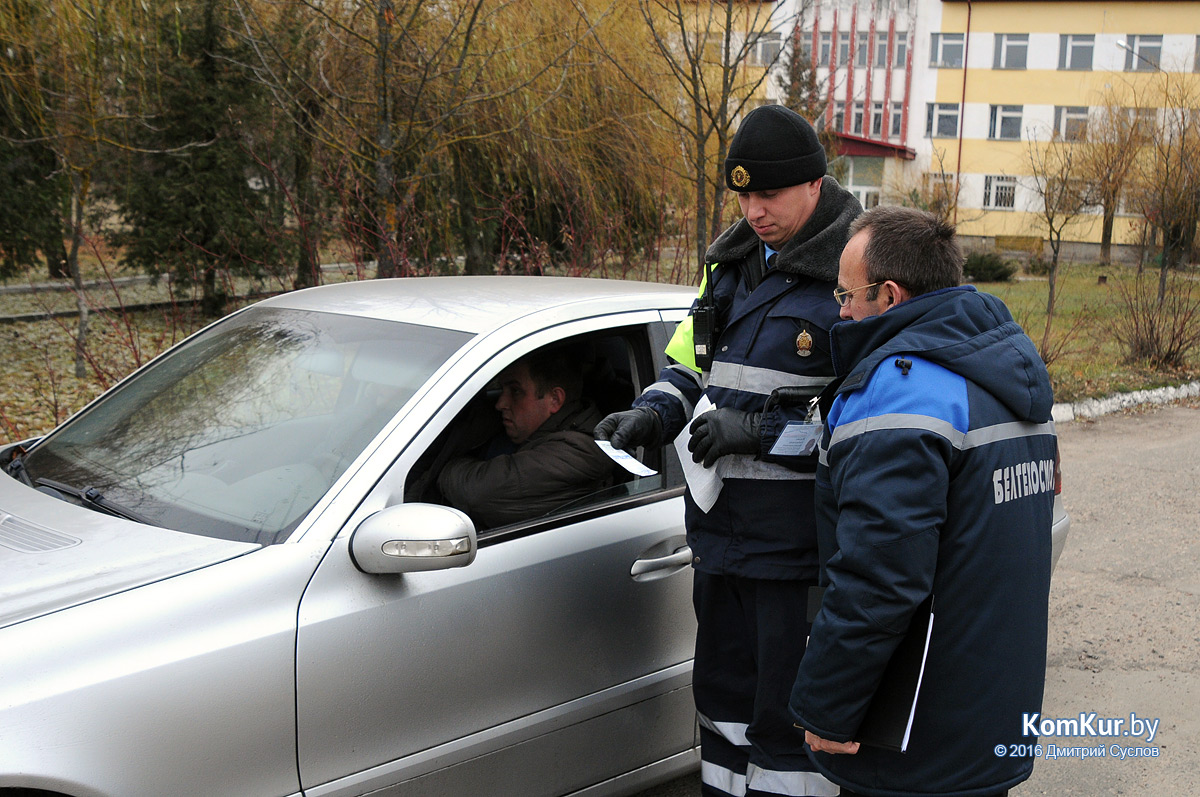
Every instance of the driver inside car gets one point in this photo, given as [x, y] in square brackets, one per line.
[546, 455]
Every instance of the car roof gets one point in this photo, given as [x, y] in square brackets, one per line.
[478, 304]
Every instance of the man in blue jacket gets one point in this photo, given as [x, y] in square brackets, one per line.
[936, 479]
[761, 323]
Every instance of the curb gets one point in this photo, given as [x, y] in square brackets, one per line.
[1094, 408]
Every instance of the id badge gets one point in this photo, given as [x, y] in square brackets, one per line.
[797, 440]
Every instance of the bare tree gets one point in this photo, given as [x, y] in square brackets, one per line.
[1109, 148]
[935, 191]
[1065, 200]
[705, 51]
[1166, 187]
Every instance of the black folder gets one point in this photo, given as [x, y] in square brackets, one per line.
[888, 721]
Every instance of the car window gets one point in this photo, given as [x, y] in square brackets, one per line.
[474, 454]
[240, 431]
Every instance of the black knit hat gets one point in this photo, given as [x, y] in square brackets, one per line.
[774, 147]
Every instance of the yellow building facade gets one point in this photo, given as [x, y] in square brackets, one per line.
[1026, 76]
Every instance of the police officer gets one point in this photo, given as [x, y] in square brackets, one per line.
[761, 323]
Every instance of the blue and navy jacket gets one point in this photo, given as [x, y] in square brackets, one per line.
[773, 335]
[936, 478]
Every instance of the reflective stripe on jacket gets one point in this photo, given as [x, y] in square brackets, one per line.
[775, 336]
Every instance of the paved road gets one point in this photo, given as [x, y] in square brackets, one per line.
[1125, 605]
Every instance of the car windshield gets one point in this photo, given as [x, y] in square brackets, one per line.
[237, 433]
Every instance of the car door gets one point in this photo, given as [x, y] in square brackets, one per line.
[559, 658]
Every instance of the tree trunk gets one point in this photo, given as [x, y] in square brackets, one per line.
[1162, 268]
[702, 231]
[308, 259]
[1051, 297]
[385, 188]
[1106, 231]
[77, 191]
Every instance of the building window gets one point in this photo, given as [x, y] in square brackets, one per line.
[839, 115]
[881, 42]
[862, 48]
[1144, 122]
[901, 49]
[877, 119]
[1011, 50]
[843, 38]
[766, 49]
[804, 50]
[942, 120]
[1070, 122]
[1005, 122]
[947, 50]
[1143, 53]
[826, 46]
[897, 117]
[999, 192]
[1075, 51]
[864, 179]
[856, 126]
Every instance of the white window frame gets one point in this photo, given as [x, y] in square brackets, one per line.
[826, 46]
[1005, 122]
[999, 192]
[881, 45]
[862, 49]
[947, 50]
[857, 121]
[1071, 47]
[1071, 122]
[766, 49]
[1143, 52]
[897, 118]
[901, 49]
[1011, 48]
[935, 113]
[877, 120]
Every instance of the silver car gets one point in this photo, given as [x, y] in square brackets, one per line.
[215, 580]
[225, 576]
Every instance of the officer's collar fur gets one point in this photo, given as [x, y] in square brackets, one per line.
[814, 252]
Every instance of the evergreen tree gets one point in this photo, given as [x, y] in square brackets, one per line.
[192, 201]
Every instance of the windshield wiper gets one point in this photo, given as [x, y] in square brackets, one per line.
[16, 467]
[91, 497]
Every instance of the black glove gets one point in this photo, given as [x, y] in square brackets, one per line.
[639, 426]
[724, 431]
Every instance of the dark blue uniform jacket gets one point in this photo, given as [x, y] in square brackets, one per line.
[936, 477]
[773, 335]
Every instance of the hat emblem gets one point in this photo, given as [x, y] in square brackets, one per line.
[739, 176]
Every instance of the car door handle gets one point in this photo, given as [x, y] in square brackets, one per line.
[681, 558]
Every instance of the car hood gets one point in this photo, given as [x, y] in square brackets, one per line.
[54, 555]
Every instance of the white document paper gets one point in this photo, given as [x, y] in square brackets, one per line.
[625, 460]
[704, 483]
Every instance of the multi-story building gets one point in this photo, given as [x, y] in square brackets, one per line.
[956, 97]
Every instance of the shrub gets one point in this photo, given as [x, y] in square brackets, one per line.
[988, 267]
[1038, 267]
[1163, 333]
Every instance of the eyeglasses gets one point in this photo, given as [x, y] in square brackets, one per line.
[842, 297]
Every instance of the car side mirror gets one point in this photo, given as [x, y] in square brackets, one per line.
[411, 538]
